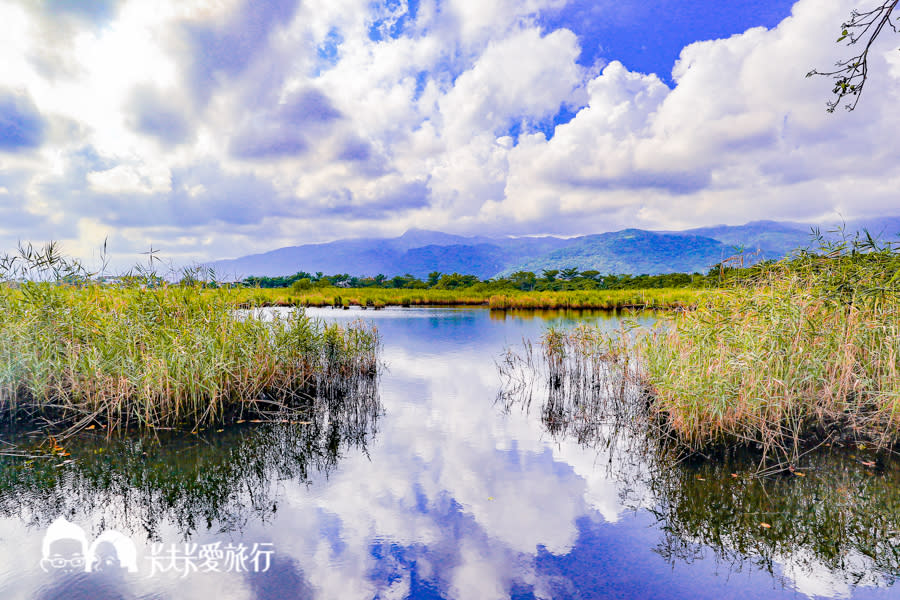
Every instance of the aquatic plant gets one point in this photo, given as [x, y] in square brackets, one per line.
[802, 351]
[76, 351]
[662, 298]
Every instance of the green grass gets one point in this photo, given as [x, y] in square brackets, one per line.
[172, 356]
[507, 300]
[651, 299]
[777, 365]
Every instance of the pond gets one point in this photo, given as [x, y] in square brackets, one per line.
[434, 485]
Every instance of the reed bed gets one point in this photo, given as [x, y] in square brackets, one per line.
[780, 366]
[171, 356]
[652, 299]
[805, 352]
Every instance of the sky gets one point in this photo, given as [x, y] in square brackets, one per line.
[218, 128]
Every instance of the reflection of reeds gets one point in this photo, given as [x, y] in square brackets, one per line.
[835, 512]
[75, 352]
[212, 480]
[592, 391]
[834, 516]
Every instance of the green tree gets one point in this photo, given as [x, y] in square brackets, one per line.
[523, 280]
[301, 285]
[569, 274]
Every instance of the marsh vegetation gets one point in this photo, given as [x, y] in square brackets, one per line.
[77, 353]
[786, 357]
[831, 515]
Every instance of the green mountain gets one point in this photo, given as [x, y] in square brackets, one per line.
[418, 252]
[762, 239]
[634, 251]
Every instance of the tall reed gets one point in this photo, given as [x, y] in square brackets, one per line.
[75, 352]
[803, 351]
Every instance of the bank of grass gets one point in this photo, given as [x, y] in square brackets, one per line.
[656, 299]
[75, 354]
[803, 352]
[780, 364]
[650, 299]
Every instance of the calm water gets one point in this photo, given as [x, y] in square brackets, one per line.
[432, 488]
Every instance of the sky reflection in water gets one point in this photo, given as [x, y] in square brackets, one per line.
[433, 490]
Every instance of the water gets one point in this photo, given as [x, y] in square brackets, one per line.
[435, 489]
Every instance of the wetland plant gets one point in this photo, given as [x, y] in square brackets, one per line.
[792, 354]
[78, 350]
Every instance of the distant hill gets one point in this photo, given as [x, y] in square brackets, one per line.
[417, 252]
[633, 251]
[420, 252]
[772, 239]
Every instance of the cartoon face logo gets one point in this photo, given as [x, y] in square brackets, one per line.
[104, 558]
[64, 547]
[112, 552]
[65, 550]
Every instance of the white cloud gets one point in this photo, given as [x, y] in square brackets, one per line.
[129, 179]
[743, 134]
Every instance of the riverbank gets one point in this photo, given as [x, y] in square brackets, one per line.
[375, 298]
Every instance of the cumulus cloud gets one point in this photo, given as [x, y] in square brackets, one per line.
[350, 117]
[286, 129]
[127, 179]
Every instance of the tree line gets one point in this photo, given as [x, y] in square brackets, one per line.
[548, 280]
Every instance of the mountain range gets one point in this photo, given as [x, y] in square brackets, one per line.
[635, 251]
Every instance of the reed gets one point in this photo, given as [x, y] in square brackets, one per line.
[800, 353]
[780, 365]
[74, 353]
[652, 299]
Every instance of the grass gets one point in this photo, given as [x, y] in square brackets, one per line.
[507, 300]
[75, 353]
[803, 352]
[651, 299]
[779, 365]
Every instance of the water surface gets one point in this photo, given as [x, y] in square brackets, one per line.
[434, 488]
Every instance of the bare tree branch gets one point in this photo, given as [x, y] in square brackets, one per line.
[850, 75]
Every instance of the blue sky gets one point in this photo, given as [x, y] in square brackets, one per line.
[216, 129]
[649, 36]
